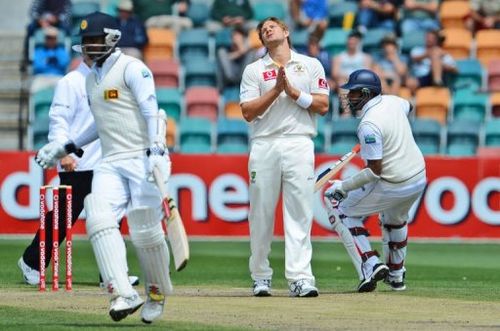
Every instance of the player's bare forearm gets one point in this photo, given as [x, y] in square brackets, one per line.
[257, 107]
[320, 104]
[375, 166]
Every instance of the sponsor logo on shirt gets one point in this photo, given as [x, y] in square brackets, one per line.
[111, 94]
[370, 139]
[322, 83]
[270, 74]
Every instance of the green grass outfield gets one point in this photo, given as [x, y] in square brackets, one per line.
[460, 272]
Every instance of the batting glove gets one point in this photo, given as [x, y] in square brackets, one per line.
[332, 210]
[336, 192]
[157, 158]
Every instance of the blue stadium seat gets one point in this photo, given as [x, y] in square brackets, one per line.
[372, 40]
[320, 139]
[469, 106]
[427, 134]
[343, 135]
[195, 136]
[198, 12]
[170, 100]
[231, 94]
[463, 138]
[232, 136]
[408, 41]
[200, 72]
[223, 38]
[268, 8]
[299, 39]
[334, 40]
[338, 11]
[492, 133]
[193, 43]
[469, 76]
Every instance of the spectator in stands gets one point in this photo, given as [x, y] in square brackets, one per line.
[170, 14]
[51, 58]
[430, 63]
[391, 67]
[233, 61]
[134, 36]
[314, 49]
[45, 13]
[485, 14]
[377, 14]
[420, 15]
[230, 13]
[353, 58]
[311, 15]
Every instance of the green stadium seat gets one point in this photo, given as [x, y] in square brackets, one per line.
[463, 138]
[170, 100]
[372, 39]
[343, 136]
[469, 106]
[427, 134]
[198, 12]
[223, 38]
[200, 72]
[300, 40]
[268, 8]
[334, 40]
[414, 39]
[320, 139]
[195, 136]
[232, 136]
[41, 100]
[338, 11]
[193, 43]
[231, 94]
[492, 133]
[469, 76]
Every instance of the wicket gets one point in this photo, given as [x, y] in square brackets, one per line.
[55, 236]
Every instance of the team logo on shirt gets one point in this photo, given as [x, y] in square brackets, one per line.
[145, 73]
[253, 174]
[110, 94]
[298, 68]
[370, 139]
[84, 24]
[322, 83]
[270, 74]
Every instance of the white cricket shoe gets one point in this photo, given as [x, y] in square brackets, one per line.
[31, 276]
[262, 288]
[303, 288]
[121, 307]
[153, 308]
[133, 280]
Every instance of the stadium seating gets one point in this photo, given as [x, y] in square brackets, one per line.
[334, 40]
[457, 42]
[414, 39]
[198, 12]
[495, 104]
[492, 133]
[469, 106]
[338, 12]
[165, 72]
[202, 102]
[427, 133]
[193, 43]
[223, 38]
[463, 138]
[488, 45]
[372, 39]
[343, 135]
[232, 136]
[171, 134]
[266, 8]
[433, 103]
[39, 114]
[200, 72]
[254, 40]
[161, 44]
[195, 135]
[494, 75]
[170, 100]
[320, 139]
[40, 130]
[231, 96]
[299, 39]
[469, 76]
[453, 13]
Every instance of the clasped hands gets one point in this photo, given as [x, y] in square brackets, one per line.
[282, 84]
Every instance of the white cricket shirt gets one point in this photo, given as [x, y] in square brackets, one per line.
[70, 114]
[385, 133]
[284, 116]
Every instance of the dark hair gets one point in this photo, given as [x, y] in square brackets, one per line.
[277, 21]
[355, 34]
[440, 37]
[240, 30]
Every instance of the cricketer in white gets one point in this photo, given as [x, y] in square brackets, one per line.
[280, 101]
[394, 178]
[122, 99]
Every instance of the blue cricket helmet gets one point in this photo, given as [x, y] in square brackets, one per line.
[363, 79]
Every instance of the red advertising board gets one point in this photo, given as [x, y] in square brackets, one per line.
[462, 199]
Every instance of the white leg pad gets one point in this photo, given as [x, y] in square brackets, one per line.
[108, 245]
[348, 241]
[149, 241]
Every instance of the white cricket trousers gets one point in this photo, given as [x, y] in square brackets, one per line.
[281, 164]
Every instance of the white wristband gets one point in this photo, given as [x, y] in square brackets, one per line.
[304, 100]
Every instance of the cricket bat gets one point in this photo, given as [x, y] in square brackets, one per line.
[175, 228]
[326, 175]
